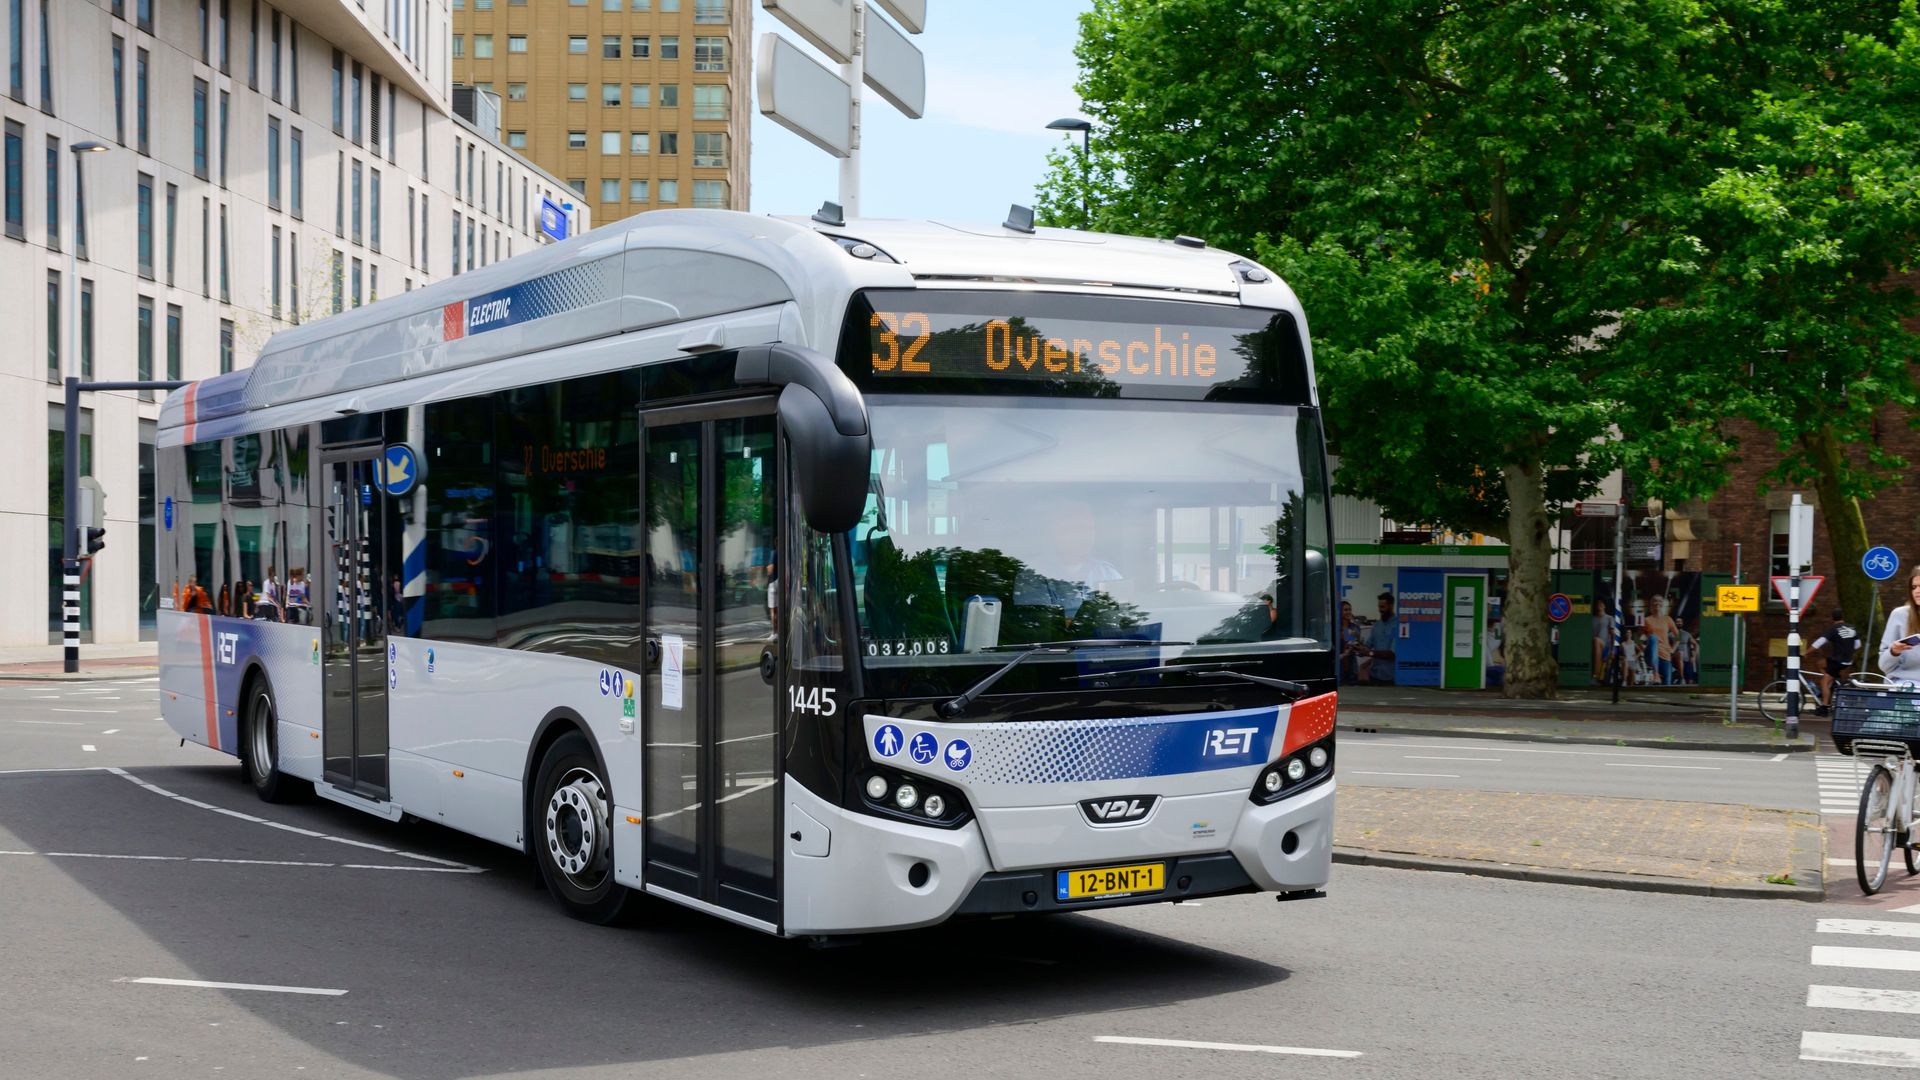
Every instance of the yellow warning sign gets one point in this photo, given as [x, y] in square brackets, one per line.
[1738, 598]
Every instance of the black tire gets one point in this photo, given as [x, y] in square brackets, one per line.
[260, 745]
[1773, 701]
[571, 834]
[1876, 819]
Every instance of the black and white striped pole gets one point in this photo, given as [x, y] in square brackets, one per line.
[1793, 653]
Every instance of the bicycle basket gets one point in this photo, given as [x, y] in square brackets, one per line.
[1882, 714]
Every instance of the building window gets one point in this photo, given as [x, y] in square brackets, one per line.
[273, 163]
[609, 5]
[373, 120]
[359, 270]
[200, 91]
[226, 116]
[669, 191]
[140, 100]
[517, 140]
[226, 261]
[710, 11]
[1777, 550]
[293, 62]
[576, 140]
[412, 232]
[143, 15]
[640, 95]
[710, 194]
[356, 103]
[355, 207]
[173, 342]
[709, 149]
[641, 47]
[577, 45]
[143, 206]
[53, 193]
[143, 341]
[709, 54]
[46, 61]
[79, 211]
[516, 43]
[516, 91]
[373, 203]
[340, 194]
[226, 346]
[253, 49]
[710, 102]
[339, 278]
[669, 46]
[459, 46]
[483, 46]
[609, 142]
[17, 50]
[669, 143]
[669, 95]
[668, 7]
[119, 90]
[638, 143]
[610, 47]
[579, 185]
[86, 329]
[637, 191]
[206, 247]
[16, 166]
[53, 326]
[577, 91]
[609, 191]
[293, 274]
[226, 37]
[273, 275]
[640, 5]
[425, 261]
[297, 162]
[339, 93]
[610, 96]
[273, 66]
[173, 226]
[456, 241]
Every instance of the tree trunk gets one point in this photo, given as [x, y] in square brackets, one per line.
[1847, 533]
[1532, 671]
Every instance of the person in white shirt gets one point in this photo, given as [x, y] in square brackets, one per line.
[1899, 660]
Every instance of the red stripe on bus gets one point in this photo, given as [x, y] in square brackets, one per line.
[186, 406]
[1309, 721]
[206, 680]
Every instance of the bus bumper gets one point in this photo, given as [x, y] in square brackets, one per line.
[866, 879]
[1281, 865]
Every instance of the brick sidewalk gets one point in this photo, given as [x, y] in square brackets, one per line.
[1703, 843]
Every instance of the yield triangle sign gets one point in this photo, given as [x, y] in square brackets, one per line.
[1809, 588]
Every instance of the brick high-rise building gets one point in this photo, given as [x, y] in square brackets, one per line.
[638, 104]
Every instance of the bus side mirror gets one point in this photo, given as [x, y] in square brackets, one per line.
[826, 423]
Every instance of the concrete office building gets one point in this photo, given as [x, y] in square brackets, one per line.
[264, 162]
[637, 104]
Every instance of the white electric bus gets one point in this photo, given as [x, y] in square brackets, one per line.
[827, 576]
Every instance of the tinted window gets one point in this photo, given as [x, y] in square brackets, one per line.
[460, 556]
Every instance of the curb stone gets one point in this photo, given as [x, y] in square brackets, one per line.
[115, 675]
[1361, 727]
[1594, 879]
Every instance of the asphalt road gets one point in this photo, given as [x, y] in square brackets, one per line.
[438, 959]
[1780, 781]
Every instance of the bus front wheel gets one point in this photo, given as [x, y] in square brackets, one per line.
[572, 838]
[260, 752]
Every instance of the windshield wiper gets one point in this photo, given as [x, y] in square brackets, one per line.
[1294, 690]
[958, 706]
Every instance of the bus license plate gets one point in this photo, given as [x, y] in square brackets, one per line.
[1093, 884]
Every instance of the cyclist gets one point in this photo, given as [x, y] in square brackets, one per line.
[1898, 660]
[1841, 643]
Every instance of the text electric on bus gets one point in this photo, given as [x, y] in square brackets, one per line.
[826, 576]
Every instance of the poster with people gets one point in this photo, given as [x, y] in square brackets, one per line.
[1660, 628]
[1371, 636]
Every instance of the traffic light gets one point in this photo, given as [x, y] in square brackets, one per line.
[91, 541]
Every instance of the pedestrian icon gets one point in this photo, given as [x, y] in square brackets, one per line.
[959, 755]
[923, 747]
[886, 741]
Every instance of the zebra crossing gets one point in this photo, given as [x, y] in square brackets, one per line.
[1868, 1007]
[1839, 779]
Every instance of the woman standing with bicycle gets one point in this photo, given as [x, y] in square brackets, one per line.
[1899, 660]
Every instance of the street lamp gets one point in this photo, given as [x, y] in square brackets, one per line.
[1086, 156]
[80, 150]
[70, 465]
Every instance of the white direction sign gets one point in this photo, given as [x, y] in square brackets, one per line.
[911, 13]
[895, 68]
[826, 25]
[803, 96]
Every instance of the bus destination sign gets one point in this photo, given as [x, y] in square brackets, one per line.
[910, 343]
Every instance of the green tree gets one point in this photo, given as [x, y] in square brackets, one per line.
[1777, 288]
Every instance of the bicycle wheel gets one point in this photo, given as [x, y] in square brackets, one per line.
[1873, 834]
[1773, 701]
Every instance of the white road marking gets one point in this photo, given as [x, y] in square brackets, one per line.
[1874, 927]
[1855, 997]
[1876, 959]
[1438, 757]
[1190, 1044]
[53, 723]
[1644, 765]
[1859, 1049]
[1841, 862]
[1911, 909]
[158, 790]
[239, 986]
[1441, 775]
[111, 731]
[1778, 757]
[1377, 742]
[87, 746]
[247, 862]
[101, 712]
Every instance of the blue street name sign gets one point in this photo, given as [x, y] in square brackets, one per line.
[553, 219]
[1880, 563]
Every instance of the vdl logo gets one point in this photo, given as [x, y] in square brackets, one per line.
[1229, 742]
[1124, 810]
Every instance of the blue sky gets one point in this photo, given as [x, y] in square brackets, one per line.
[997, 71]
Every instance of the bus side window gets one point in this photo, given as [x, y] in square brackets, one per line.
[813, 601]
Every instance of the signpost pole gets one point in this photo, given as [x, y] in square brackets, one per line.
[1619, 597]
[1793, 653]
[1733, 692]
[854, 71]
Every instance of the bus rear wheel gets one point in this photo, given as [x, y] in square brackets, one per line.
[572, 837]
[260, 749]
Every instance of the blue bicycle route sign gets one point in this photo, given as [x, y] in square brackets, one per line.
[1880, 563]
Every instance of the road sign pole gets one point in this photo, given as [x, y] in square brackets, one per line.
[1733, 692]
[1793, 654]
[854, 71]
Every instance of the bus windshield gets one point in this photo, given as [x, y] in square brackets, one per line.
[997, 522]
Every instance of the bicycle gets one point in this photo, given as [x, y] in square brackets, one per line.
[1773, 696]
[1886, 814]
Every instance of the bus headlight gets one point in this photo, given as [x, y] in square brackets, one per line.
[1318, 757]
[876, 787]
[1271, 780]
[906, 796]
[935, 806]
[1296, 770]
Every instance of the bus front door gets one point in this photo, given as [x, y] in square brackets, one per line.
[353, 636]
[712, 758]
